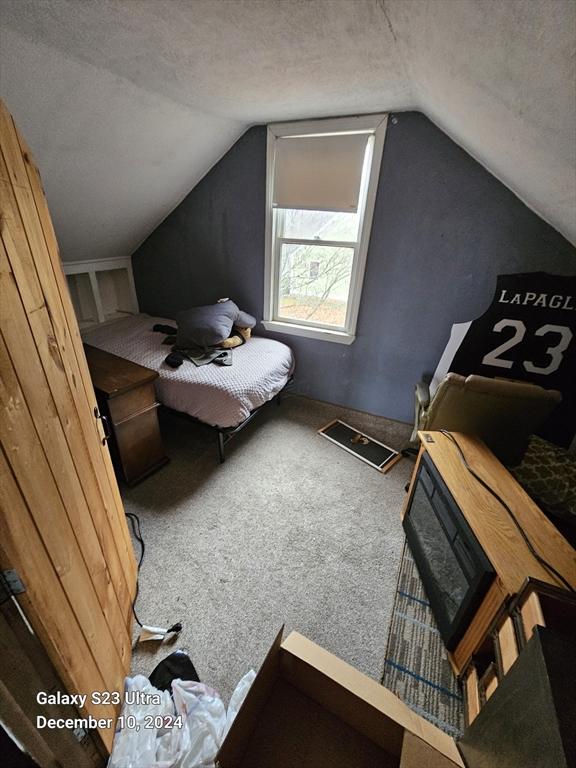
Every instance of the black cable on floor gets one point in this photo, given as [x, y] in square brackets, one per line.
[137, 531]
[544, 563]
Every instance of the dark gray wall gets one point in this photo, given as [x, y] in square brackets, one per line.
[443, 229]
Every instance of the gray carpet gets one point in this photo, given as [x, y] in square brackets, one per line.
[416, 667]
[290, 530]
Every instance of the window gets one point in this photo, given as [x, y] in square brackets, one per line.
[321, 186]
[314, 270]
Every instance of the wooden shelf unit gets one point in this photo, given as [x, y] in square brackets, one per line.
[500, 539]
[101, 291]
[538, 604]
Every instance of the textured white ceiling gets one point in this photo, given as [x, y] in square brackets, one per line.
[127, 103]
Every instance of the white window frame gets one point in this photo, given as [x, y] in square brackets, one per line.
[372, 124]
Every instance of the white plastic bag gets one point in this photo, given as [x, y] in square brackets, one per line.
[135, 743]
[204, 717]
[194, 744]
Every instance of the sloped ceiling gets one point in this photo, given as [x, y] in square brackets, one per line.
[128, 103]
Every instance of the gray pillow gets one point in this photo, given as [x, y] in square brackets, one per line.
[207, 326]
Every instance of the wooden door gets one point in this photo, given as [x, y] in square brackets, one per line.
[62, 524]
[26, 670]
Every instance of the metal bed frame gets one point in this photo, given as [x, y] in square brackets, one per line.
[225, 434]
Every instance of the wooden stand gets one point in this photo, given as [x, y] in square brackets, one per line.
[529, 718]
[126, 398]
[496, 532]
[537, 605]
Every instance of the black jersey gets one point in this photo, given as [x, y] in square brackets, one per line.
[528, 333]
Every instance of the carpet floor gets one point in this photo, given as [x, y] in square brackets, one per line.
[290, 530]
[416, 666]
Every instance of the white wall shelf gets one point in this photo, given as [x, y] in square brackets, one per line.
[101, 291]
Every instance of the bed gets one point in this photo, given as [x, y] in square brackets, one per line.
[223, 397]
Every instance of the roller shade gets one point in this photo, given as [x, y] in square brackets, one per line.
[319, 173]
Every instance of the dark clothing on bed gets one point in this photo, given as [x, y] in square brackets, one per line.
[160, 328]
[199, 357]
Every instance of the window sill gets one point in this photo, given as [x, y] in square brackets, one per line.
[321, 334]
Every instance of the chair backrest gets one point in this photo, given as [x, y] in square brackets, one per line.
[501, 412]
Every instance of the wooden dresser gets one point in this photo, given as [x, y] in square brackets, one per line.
[126, 398]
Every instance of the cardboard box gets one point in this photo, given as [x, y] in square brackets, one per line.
[308, 709]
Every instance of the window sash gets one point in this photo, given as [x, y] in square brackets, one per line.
[279, 242]
[313, 241]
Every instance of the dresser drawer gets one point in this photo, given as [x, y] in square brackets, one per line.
[129, 403]
[139, 444]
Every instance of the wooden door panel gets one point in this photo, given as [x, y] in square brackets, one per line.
[42, 280]
[52, 282]
[22, 313]
[26, 670]
[83, 511]
[57, 628]
[78, 357]
[35, 472]
[63, 528]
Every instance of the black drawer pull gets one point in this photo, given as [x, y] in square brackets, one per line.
[105, 426]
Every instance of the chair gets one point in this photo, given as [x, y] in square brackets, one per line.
[502, 412]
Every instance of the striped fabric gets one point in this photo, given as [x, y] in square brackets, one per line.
[416, 667]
